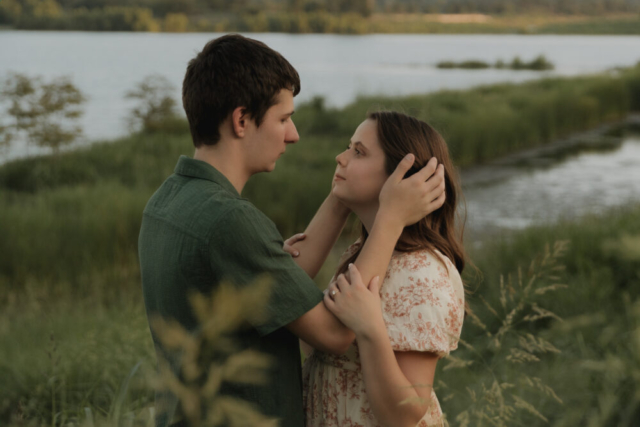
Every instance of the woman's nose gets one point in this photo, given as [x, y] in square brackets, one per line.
[340, 159]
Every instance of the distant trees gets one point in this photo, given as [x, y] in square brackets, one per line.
[156, 108]
[176, 23]
[154, 15]
[45, 113]
[39, 112]
[48, 14]
[540, 63]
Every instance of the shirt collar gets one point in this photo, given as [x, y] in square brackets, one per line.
[198, 169]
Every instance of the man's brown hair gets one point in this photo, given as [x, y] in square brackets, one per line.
[233, 71]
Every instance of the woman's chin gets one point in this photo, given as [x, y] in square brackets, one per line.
[338, 194]
[342, 198]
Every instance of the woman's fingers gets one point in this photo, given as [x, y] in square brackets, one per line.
[329, 303]
[436, 179]
[427, 171]
[342, 283]
[402, 168]
[439, 201]
[332, 290]
[356, 278]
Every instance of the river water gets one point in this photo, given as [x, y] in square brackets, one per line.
[584, 183]
[338, 67]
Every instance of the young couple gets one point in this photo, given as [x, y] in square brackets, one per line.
[396, 303]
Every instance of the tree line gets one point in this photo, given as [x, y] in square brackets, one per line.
[182, 15]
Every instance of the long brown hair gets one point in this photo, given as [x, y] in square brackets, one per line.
[399, 135]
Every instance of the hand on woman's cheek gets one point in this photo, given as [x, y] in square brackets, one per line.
[355, 304]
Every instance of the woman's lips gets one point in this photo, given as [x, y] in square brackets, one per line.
[339, 178]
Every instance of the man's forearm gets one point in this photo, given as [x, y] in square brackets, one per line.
[321, 234]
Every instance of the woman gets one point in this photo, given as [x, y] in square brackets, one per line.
[422, 297]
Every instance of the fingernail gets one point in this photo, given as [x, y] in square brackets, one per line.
[408, 157]
[297, 253]
[350, 265]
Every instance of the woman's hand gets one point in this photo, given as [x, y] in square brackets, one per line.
[288, 244]
[407, 200]
[355, 304]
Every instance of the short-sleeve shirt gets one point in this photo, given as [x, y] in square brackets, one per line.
[196, 232]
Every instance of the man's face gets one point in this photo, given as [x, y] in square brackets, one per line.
[268, 142]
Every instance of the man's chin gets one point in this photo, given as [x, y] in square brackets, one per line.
[270, 167]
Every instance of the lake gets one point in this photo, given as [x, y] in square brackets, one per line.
[338, 67]
[587, 182]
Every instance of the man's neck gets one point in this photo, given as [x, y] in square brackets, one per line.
[227, 161]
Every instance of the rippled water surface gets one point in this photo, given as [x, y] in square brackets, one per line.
[590, 182]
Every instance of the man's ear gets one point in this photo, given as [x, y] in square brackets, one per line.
[239, 121]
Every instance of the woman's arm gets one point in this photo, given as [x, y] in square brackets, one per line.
[390, 377]
[403, 201]
[393, 377]
[320, 236]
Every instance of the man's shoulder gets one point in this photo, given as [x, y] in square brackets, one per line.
[197, 204]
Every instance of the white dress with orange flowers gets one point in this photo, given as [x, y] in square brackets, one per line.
[423, 309]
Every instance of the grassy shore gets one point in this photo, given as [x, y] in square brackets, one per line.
[72, 325]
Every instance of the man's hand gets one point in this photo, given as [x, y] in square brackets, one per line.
[288, 244]
[407, 201]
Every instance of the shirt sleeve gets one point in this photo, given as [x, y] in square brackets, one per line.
[247, 244]
[423, 304]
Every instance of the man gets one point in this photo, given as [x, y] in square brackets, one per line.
[197, 230]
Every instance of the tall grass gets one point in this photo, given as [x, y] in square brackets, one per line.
[75, 216]
[59, 356]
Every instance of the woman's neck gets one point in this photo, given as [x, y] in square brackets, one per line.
[366, 215]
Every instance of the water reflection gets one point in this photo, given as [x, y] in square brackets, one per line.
[589, 182]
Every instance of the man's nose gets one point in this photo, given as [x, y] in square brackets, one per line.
[292, 134]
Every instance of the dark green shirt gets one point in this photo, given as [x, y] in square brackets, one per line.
[198, 231]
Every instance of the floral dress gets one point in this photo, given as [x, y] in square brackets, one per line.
[423, 309]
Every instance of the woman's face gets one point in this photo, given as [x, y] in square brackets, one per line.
[360, 173]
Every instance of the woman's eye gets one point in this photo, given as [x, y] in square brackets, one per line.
[356, 150]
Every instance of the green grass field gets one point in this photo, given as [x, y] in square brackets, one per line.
[72, 323]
